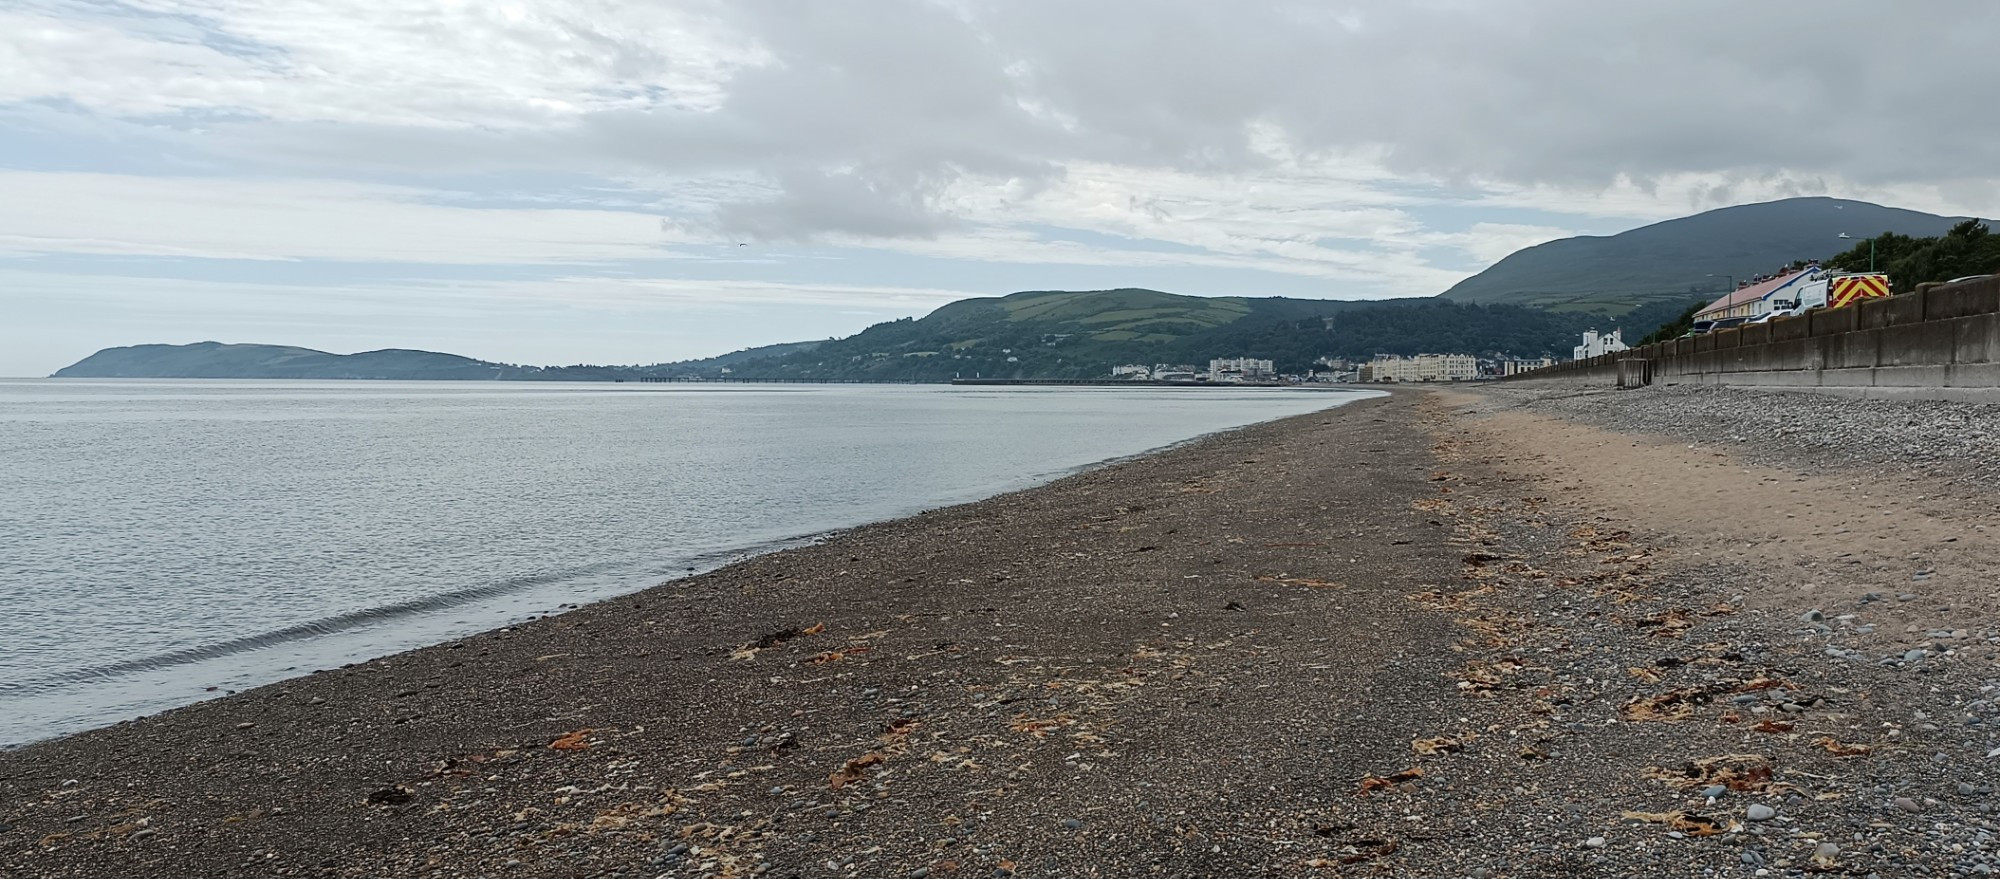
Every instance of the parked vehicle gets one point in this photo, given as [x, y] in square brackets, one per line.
[1833, 291]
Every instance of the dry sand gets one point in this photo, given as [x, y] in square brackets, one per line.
[1816, 532]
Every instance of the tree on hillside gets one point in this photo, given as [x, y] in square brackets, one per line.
[1969, 248]
[1676, 328]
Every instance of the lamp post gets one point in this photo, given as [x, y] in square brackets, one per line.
[1871, 250]
[1732, 280]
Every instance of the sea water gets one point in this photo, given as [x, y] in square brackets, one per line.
[166, 541]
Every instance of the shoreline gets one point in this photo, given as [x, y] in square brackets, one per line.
[119, 686]
[1383, 639]
[665, 653]
[305, 659]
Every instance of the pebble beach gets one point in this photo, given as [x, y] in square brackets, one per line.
[1489, 632]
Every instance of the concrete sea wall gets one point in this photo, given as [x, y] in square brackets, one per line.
[1942, 344]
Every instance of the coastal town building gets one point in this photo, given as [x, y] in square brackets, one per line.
[1238, 369]
[1134, 371]
[1595, 345]
[1516, 367]
[1421, 368]
[1755, 296]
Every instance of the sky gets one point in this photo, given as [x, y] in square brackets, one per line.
[619, 181]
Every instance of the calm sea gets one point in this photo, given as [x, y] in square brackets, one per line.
[166, 541]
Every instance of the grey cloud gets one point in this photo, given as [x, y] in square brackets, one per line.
[1553, 91]
[879, 203]
[1566, 92]
[869, 110]
[862, 121]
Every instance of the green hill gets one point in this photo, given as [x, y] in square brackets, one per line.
[1037, 334]
[1058, 334]
[1684, 258]
[735, 357]
[217, 360]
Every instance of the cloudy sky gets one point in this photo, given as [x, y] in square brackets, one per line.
[614, 181]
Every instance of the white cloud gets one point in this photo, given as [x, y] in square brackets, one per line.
[1331, 219]
[1269, 228]
[422, 64]
[1175, 138]
[1677, 195]
[56, 318]
[1490, 242]
[445, 298]
[303, 219]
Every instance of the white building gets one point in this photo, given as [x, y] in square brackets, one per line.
[1421, 368]
[1236, 369]
[1134, 371]
[1595, 345]
[1516, 367]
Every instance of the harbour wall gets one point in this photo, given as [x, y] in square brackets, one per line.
[1942, 343]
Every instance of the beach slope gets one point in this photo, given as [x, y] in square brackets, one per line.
[1504, 633]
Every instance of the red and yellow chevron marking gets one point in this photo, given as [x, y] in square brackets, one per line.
[1854, 288]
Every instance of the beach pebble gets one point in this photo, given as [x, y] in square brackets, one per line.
[1760, 812]
[1913, 656]
[1594, 842]
[1714, 791]
[1906, 804]
[1072, 824]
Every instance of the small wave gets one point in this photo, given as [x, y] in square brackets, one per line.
[363, 617]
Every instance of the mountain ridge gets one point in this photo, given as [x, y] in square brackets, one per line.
[1031, 334]
[1685, 257]
[226, 360]
[1081, 334]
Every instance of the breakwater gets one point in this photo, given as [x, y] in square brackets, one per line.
[1942, 344]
